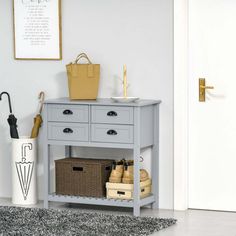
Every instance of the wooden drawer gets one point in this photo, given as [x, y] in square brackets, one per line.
[126, 191]
[68, 131]
[112, 133]
[68, 113]
[112, 115]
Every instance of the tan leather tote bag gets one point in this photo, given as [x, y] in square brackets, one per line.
[83, 79]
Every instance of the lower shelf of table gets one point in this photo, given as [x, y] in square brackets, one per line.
[100, 201]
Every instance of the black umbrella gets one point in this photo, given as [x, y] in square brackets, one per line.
[11, 119]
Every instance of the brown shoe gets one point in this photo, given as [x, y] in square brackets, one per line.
[128, 176]
[117, 172]
[143, 175]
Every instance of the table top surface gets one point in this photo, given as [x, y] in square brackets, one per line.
[102, 102]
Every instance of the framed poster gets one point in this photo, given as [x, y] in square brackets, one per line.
[37, 29]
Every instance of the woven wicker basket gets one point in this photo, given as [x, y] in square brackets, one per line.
[82, 177]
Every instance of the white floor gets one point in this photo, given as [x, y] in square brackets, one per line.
[190, 223]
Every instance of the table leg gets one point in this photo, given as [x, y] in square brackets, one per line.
[68, 151]
[46, 163]
[155, 159]
[136, 156]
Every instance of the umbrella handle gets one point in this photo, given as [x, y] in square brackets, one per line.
[41, 97]
[9, 100]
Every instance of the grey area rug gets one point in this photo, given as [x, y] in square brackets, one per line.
[35, 221]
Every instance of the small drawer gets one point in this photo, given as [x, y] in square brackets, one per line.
[112, 133]
[126, 191]
[68, 131]
[68, 113]
[112, 115]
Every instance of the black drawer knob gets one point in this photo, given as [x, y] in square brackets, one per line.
[67, 112]
[111, 113]
[67, 131]
[111, 132]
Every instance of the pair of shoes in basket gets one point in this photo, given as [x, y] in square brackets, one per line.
[123, 172]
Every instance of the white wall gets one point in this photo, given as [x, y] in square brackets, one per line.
[112, 32]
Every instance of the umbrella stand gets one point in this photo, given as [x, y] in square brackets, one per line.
[24, 168]
[12, 121]
[38, 119]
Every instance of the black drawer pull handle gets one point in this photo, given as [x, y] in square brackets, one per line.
[111, 113]
[142, 190]
[67, 131]
[120, 193]
[67, 112]
[111, 132]
[78, 168]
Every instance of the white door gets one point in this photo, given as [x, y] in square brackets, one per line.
[212, 124]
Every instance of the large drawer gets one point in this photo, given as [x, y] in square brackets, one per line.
[112, 133]
[68, 113]
[112, 115]
[68, 131]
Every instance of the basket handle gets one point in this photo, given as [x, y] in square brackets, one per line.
[80, 56]
[77, 168]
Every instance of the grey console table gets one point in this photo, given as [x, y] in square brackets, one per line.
[105, 124]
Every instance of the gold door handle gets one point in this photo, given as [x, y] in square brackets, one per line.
[202, 89]
[206, 87]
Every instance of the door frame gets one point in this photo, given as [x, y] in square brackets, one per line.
[181, 98]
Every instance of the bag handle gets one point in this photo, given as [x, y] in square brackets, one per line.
[80, 56]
